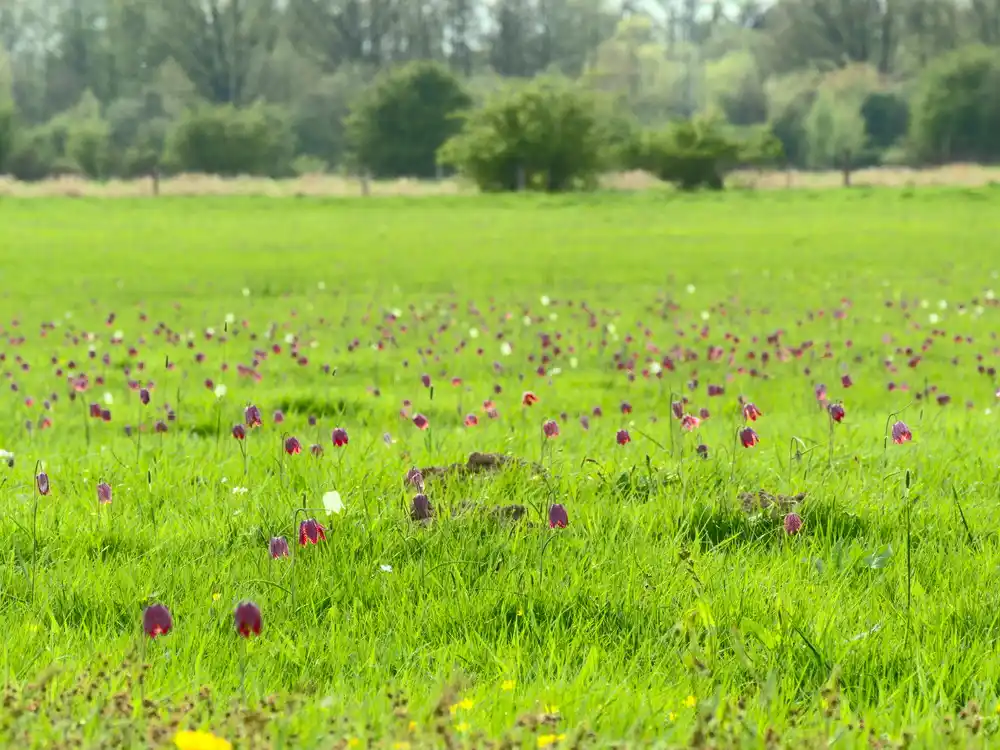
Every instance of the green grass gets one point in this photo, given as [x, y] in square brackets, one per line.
[664, 612]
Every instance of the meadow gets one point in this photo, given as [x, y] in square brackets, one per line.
[623, 565]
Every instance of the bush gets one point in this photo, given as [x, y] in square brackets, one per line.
[689, 153]
[956, 115]
[397, 129]
[228, 141]
[33, 156]
[88, 146]
[546, 131]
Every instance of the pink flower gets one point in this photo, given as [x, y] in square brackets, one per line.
[104, 493]
[414, 478]
[901, 433]
[471, 420]
[551, 428]
[836, 412]
[623, 437]
[558, 517]
[748, 437]
[421, 422]
[156, 620]
[689, 422]
[247, 619]
[793, 523]
[821, 392]
[751, 412]
[339, 437]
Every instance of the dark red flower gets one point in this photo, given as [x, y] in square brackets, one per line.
[703, 414]
[528, 398]
[156, 620]
[751, 412]
[339, 437]
[702, 450]
[292, 445]
[95, 411]
[748, 437]
[278, 547]
[677, 409]
[845, 380]
[550, 428]
[558, 517]
[311, 532]
[278, 417]
[471, 420]
[426, 380]
[836, 412]
[42, 482]
[623, 437]
[247, 619]
[626, 407]
[104, 493]
[251, 416]
[239, 432]
[421, 421]
[316, 449]
[160, 426]
[144, 396]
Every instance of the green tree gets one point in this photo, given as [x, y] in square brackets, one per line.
[396, 129]
[689, 153]
[542, 135]
[956, 113]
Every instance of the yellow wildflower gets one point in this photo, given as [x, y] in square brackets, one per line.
[463, 727]
[215, 596]
[690, 701]
[544, 740]
[672, 716]
[550, 708]
[507, 685]
[465, 704]
[401, 746]
[413, 726]
[353, 742]
[196, 740]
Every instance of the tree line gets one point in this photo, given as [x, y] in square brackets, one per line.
[512, 93]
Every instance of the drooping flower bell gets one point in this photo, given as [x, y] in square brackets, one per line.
[104, 493]
[420, 508]
[748, 437]
[252, 417]
[156, 620]
[558, 517]
[751, 412]
[292, 445]
[551, 428]
[793, 524]
[901, 433]
[311, 532]
[278, 547]
[247, 619]
[622, 437]
[42, 483]
[339, 437]
[837, 412]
